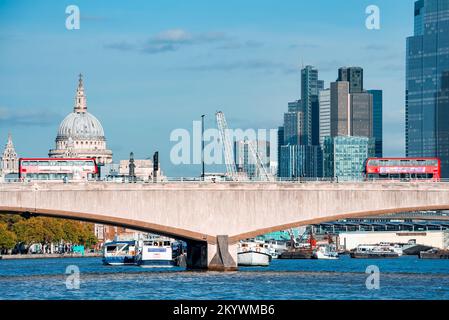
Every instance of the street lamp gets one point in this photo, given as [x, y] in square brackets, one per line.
[202, 145]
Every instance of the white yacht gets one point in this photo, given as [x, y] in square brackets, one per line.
[156, 252]
[325, 251]
[366, 251]
[276, 247]
[253, 253]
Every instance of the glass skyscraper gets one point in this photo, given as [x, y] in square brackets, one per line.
[301, 161]
[377, 120]
[344, 157]
[310, 87]
[427, 122]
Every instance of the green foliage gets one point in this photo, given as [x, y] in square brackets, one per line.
[7, 238]
[49, 230]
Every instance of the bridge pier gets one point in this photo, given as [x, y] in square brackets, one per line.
[214, 257]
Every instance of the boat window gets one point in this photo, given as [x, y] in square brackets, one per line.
[111, 248]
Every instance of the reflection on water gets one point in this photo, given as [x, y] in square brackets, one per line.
[403, 278]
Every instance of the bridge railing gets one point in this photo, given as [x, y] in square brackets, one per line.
[209, 180]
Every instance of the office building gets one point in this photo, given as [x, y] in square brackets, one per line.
[344, 157]
[340, 124]
[361, 114]
[377, 120]
[301, 161]
[353, 75]
[427, 65]
[324, 102]
[293, 127]
[310, 87]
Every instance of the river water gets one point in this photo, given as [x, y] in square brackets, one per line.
[403, 278]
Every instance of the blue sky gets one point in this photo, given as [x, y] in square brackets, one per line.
[154, 66]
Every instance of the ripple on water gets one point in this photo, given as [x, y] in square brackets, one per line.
[404, 278]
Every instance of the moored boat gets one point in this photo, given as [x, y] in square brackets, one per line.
[434, 253]
[253, 253]
[374, 252]
[325, 251]
[156, 252]
[119, 253]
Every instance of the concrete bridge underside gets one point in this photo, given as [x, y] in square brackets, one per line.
[213, 217]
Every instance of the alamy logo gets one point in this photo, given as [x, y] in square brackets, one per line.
[372, 22]
[72, 281]
[72, 22]
[373, 280]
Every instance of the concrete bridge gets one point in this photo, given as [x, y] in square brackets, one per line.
[213, 217]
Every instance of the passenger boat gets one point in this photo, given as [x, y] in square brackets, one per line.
[156, 252]
[119, 253]
[253, 253]
[434, 253]
[376, 251]
[276, 247]
[325, 251]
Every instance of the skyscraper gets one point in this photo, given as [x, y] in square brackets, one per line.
[442, 124]
[427, 66]
[310, 87]
[324, 101]
[293, 127]
[361, 114]
[351, 105]
[354, 75]
[340, 124]
[301, 161]
[280, 144]
[377, 120]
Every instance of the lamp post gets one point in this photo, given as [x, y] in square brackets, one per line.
[202, 146]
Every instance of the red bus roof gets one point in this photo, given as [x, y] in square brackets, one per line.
[55, 159]
[422, 158]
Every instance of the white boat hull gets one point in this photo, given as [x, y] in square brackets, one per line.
[252, 259]
[320, 255]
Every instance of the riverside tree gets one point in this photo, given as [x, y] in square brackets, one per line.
[8, 238]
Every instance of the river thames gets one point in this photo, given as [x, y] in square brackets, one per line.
[403, 278]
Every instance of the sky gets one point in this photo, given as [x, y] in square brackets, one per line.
[151, 67]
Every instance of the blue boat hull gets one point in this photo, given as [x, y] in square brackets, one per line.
[119, 261]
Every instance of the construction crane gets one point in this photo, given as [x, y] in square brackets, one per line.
[227, 146]
[260, 167]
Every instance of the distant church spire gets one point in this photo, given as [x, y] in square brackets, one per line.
[10, 144]
[9, 161]
[80, 100]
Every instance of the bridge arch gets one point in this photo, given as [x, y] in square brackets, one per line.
[175, 233]
[360, 214]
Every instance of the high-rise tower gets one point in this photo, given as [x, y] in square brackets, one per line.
[426, 121]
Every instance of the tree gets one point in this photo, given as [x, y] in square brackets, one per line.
[45, 231]
[7, 238]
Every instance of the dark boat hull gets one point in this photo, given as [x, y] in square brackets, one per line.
[357, 255]
[297, 254]
[443, 254]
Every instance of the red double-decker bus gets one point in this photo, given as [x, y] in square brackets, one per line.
[57, 169]
[403, 169]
